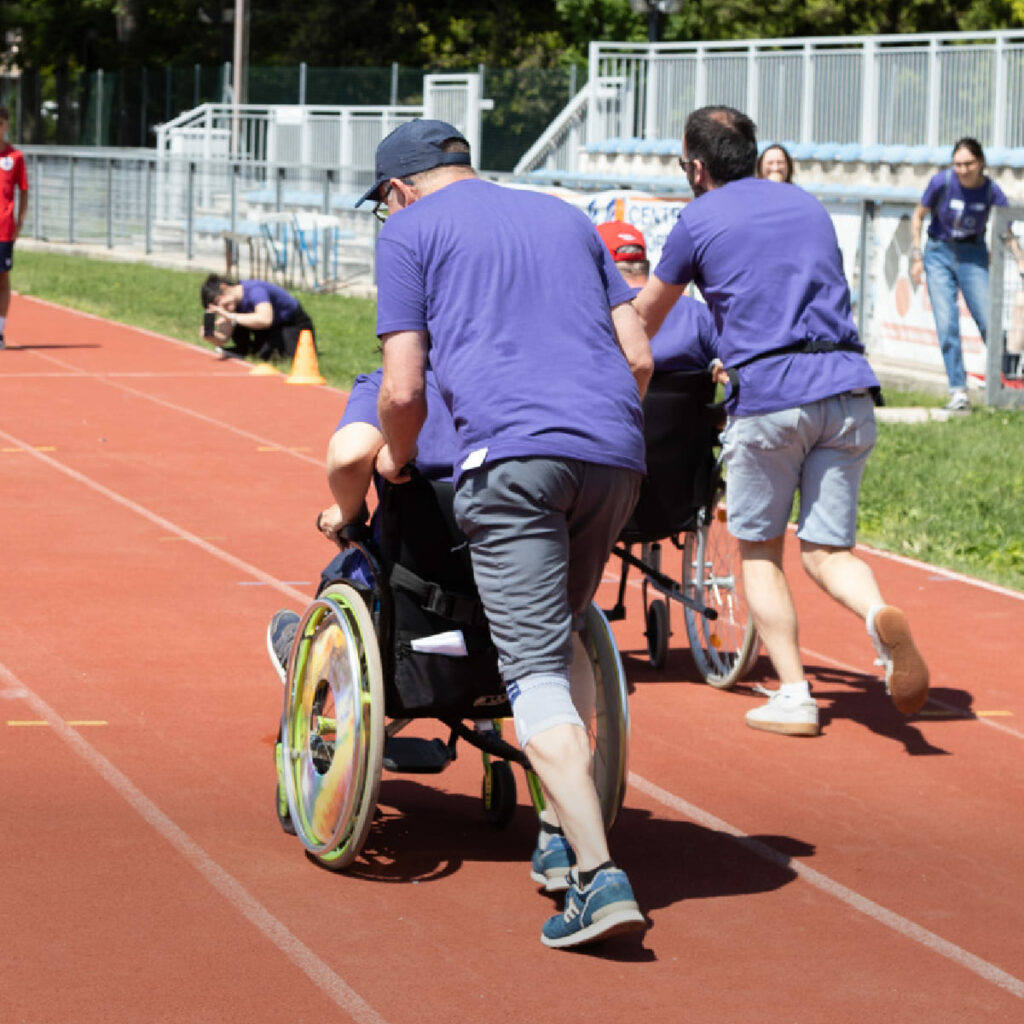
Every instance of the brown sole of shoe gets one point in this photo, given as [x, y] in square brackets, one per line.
[908, 684]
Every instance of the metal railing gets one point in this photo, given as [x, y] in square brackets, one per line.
[906, 89]
[285, 216]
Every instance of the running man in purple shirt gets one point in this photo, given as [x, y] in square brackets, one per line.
[801, 415]
[542, 363]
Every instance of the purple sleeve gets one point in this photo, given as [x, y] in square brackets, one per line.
[933, 190]
[676, 263]
[401, 290]
[362, 401]
[616, 288]
[999, 196]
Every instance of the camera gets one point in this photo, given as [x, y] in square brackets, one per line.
[209, 324]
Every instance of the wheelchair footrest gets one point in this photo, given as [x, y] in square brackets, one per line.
[415, 756]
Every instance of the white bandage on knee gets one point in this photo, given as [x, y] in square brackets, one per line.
[540, 701]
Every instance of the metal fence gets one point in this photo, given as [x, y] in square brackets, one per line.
[290, 223]
[125, 108]
[906, 89]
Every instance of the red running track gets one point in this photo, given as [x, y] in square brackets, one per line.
[158, 506]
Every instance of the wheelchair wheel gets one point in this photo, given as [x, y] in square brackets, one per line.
[657, 632]
[333, 727]
[609, 726]
[723, 648]
[499, 793]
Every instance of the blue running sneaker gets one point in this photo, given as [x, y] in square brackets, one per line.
[550, 864]
[606, 907]
[280, 636]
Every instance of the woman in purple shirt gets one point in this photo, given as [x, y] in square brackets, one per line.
[956, 258]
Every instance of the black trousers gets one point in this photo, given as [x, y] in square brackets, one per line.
[278, 339]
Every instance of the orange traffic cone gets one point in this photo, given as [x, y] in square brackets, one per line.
[264, 370]
[304, 366]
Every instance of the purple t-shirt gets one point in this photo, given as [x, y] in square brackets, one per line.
[959, 212]
[436, 443]
[255, 292]
[767, 261]
[515, 289]
[686, 340]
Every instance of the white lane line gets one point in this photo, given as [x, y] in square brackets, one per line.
[246, 568]
[322, 975]
[985, 970]
[184, 410]
[947, 574]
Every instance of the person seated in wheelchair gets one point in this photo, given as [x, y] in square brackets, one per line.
[686, 340]
[351, 456]
[676, 406]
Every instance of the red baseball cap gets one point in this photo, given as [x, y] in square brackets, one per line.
[617, 236]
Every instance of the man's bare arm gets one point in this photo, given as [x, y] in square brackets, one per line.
[656, 298]
[402, 405]
[634, 344]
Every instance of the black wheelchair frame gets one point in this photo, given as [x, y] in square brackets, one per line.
[356, 679]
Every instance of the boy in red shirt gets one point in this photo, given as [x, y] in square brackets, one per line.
[12, 176]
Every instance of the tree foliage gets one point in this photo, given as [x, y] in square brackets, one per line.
[66, 39]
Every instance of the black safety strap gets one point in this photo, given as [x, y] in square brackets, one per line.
[437, 600]
[810, 345]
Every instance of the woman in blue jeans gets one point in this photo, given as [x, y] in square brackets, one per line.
[956, 257]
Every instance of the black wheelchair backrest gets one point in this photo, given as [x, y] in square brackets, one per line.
[681, 427]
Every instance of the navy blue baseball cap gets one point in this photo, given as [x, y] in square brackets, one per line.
[413, 147]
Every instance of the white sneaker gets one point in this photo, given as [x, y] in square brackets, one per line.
[958, 402]
[906, 673]
[786, 714]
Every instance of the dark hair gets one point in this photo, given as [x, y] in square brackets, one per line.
[973, 146]
[724, 140]
[210, 291]
[5, 114]
[759, 168]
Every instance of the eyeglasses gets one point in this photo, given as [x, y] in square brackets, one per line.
[685, 165]
[380, 210]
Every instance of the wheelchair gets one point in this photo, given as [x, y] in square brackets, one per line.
[408, 640]
[683, 502]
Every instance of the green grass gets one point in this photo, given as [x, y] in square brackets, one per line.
[950, 493]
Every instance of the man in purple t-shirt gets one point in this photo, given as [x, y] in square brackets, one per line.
[259, 317]
[542, 362]
[801, 415]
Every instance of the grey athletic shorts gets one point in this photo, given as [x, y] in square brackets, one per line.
[819, 448]
[540, 532]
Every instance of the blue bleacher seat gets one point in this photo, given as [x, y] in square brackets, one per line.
[920, 155]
